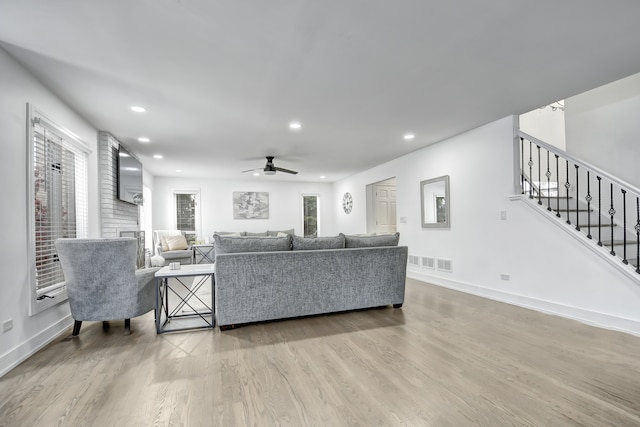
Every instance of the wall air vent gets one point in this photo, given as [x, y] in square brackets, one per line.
[445, 265]
[414, 260]
[428, 262]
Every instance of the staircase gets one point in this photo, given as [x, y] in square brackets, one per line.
[601, 209]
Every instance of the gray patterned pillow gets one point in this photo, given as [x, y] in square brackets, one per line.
[305, 243]
[371, 241]
[230, 245]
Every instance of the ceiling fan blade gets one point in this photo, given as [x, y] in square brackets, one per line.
[285, 170]
[251, 170]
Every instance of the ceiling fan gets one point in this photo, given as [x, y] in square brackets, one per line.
[270, 169]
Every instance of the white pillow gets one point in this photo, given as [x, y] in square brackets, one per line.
[176, 243]
[281, 234]
[157, 261]
[163, 243]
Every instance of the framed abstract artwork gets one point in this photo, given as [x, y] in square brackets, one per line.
[250, 205]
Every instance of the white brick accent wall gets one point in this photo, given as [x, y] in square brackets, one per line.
[116, 215]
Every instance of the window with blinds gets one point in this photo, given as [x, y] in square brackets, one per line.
[59, 202]
[185, 211]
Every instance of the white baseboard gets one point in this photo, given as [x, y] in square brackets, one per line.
[22, 352]
[587, 317]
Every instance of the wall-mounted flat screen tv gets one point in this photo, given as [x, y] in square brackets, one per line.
[129, 177]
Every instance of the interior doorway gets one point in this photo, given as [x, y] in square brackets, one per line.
[381, 207]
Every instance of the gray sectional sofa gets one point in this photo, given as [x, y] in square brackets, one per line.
[267, 278]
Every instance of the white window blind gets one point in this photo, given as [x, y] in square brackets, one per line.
[59, 203]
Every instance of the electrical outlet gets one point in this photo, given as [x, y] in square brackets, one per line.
[7, 325]
[503, 215]
[505, 277]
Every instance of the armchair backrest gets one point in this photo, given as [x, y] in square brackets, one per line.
[100, 276]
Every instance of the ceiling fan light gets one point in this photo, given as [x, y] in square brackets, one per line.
[269, 172]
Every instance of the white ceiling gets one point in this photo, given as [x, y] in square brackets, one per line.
[222, 79]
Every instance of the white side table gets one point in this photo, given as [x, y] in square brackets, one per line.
[191, 311]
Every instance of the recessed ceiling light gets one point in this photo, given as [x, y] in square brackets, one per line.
[322, 177]
[179, 170]
[408, 136]
[256, 174]
[157, 156]
[144, 139]
[138, 109]
[131, 169]
[123, 154]
[295, 125]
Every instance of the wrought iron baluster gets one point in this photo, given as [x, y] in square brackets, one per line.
[612, 212]
[522, 164]
[577, 199]
[599, 211]
[624, 226]
[539, 178]
[558, 186]
[548, 174]
[588, 198]
[567, 185]
[530, 170]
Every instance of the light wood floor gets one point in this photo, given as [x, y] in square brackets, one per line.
[445, 359]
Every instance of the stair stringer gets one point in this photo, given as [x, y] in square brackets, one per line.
[616, 262]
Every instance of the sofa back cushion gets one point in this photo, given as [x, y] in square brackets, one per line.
[305, 243]
[291, 231]
[263, 234]
[371, 241]
[231, 233]
[230, 245]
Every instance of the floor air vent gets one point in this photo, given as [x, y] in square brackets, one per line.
[445, 265]
[414, 260]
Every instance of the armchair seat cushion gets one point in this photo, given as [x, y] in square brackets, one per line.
[182, 256]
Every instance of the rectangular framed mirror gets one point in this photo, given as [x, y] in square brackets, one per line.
[435, 202]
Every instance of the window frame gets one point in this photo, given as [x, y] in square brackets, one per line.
[56, 293]
[174, 212]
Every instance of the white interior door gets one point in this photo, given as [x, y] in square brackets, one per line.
[384, 203]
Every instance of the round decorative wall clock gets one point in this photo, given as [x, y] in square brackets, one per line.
[347, 202]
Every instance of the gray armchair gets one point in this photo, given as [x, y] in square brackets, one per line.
[102, 281]
[183, 256]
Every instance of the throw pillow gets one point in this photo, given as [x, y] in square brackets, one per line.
[305, 243]
[263, 234]
[229, 245]
[372, 241]
[176, 243]
[157, 261]
[163, 243]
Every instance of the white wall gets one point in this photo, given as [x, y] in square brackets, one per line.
[549, 270]
[603, 128]
[285, 204]
[546, 125]
[18, 87]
